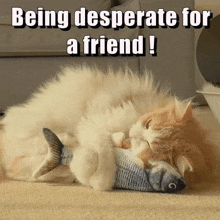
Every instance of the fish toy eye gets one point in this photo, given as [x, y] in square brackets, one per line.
[172, 186]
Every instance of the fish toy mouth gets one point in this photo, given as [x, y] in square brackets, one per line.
[165, 178]
[160, 177]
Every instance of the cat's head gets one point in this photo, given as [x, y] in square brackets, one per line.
[173, 135]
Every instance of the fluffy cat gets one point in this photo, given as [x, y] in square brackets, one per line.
[84, 107]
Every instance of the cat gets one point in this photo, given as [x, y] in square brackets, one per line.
[84, 107]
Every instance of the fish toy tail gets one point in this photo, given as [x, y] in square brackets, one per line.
[54, 156]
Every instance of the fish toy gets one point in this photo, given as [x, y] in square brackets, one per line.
[160, 177]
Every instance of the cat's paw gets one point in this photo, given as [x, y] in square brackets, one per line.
[118, 138]
[102, 182]
[84, 165]
[138, 146]
[139, 162]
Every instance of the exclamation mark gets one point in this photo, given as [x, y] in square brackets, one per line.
[153, 45]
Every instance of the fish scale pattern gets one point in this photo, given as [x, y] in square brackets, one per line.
[129, 175]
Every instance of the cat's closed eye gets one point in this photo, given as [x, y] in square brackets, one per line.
[147, 125]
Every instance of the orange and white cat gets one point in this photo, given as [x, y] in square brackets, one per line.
[84, 107]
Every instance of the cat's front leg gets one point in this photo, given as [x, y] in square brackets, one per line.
[104, 176]
[99, 155]
[87, 166]
[84, 164]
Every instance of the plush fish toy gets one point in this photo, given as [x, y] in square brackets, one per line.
[160, 177]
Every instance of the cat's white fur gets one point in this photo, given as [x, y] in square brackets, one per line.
[84, 107]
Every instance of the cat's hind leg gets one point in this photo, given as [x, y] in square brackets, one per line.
[23, 166]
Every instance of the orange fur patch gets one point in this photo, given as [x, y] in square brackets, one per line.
[126, 144]
[14, 167]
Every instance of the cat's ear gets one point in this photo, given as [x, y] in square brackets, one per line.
[187, 112]
[184, 108]
[184, 165]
